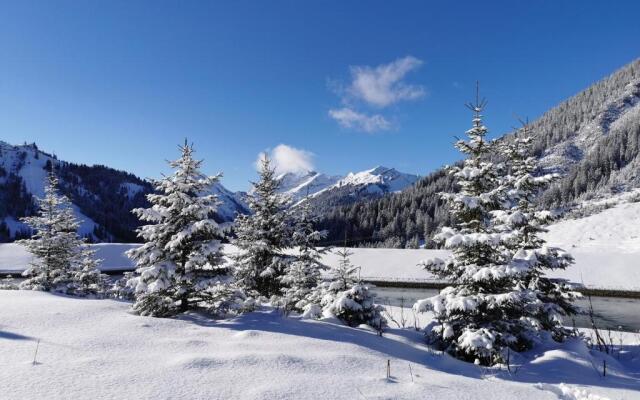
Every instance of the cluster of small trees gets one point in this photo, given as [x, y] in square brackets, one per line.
[180, 266]
[500, 298]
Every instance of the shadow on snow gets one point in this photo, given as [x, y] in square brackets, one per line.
[570, 362]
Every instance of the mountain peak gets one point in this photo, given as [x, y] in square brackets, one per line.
[371, 182]
[386, 179]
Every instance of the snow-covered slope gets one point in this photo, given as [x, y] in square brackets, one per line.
[29, 164]
[606, 247]
[96, 349]
[15, 258]
[378, 180]
[298, 185]
[365, 185]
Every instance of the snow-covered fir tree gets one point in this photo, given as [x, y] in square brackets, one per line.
[61, 261]
[478, 316]
[87, 278]
[303, 274]
[180, 265]
[345, 296]
[545, 301]
[124, 288]
[345, 274]
[262, 237]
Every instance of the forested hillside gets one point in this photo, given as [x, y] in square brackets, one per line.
[102, 197]
[592, 139]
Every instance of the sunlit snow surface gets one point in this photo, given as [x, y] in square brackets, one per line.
[96, 349]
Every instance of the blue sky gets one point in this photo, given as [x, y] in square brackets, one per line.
[344, 85]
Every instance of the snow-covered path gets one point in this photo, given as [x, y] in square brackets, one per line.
[95, 349]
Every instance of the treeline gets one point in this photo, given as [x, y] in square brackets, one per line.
[103, 194]
[15, 200]
[612, 166]
[562, 122]
[399, 220]
[106, 196]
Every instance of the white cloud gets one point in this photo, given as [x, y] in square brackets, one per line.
[288, 159]
[349, 118]
[383, 85]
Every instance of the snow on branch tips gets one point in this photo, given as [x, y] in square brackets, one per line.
[499, 298]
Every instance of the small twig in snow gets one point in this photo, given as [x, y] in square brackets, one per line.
[36, 353]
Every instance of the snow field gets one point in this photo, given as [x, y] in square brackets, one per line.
[96, 349]
[606, 247]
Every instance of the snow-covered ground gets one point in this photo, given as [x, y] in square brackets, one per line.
[15, 258]
[606, 247]
[96, 349]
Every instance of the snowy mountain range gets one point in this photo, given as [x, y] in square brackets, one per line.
[298, 185]
[351, 187]
[103, 197]
[592, 139]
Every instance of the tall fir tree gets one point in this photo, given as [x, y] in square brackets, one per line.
[304, 273]
[478, 316]
[59, 254]
[546, 301]
[179, 266]
[262, 237]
